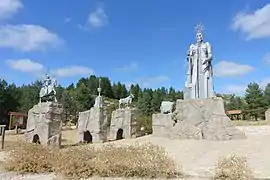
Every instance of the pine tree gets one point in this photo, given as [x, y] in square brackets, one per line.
[235, 103]
[267, 94]
[144, 103]
[256, 103]
[156, 101]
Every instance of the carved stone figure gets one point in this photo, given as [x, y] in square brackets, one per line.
[99, 103]
[126, 101]
[166, 107]
[199, 83]
[48, 88]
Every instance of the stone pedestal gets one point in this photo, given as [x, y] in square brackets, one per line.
[267, 115]
[44, 124]
[123, 124]
[92, 126]
[162, 124]
[197, 119]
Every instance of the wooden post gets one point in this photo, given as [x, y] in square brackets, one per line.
[10, 121]
[2, 128]
[16, 129]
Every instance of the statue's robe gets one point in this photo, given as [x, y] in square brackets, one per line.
[201, 75]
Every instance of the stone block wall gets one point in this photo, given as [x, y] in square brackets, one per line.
[92, 125]
[162, 124]
[44, 124]
[123, 124]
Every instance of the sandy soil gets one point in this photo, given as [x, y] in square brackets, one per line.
[197, 158]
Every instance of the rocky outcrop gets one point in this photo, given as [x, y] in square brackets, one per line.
[197, 119]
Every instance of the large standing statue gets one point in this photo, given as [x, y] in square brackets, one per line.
[48, 88]
[200, 73]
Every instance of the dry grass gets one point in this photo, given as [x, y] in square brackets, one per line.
[250, 123]
[28, 157]
[85, 161]
[233, 168]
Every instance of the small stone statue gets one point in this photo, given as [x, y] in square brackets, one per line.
[166, 107]
[126, 101]
[199, 83]
[48, 88]
[99, 99]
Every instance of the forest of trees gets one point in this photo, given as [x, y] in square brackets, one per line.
[79, 97]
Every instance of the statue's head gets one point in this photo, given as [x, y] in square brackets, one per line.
[199, 37]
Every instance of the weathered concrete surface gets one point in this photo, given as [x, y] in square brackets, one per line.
[267, 115]
[45, 122]
[94, 121]
[123, 120]
[197, 119]
[162, 125]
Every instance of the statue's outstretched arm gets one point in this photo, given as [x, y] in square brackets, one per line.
[209, 52]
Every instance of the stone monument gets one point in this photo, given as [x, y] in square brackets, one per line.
[200, 115]
[92, 124]
[124, 120]
[44, 123]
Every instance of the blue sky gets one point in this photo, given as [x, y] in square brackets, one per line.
[138, 41]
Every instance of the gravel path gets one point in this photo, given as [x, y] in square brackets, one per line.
[198, 157]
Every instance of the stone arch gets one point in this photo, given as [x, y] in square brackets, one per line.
[36, 139]
[87, 137]
[119, 134]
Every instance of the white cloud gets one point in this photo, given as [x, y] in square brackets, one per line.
[39, 70]
[25, 65]
[98, 18]
[231, 69]
[240, 89]
[9, 7]
[255, 25]
[72, 71]
[28, 38]
[235, 89]
[67, 19]
[264, 82]
[128, 68]
[266, 58]
[151, 81]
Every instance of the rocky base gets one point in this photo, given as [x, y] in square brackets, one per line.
[197, 119]
[44, 124]
[123, 123]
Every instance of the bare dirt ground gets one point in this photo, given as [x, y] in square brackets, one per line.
[197, 157]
